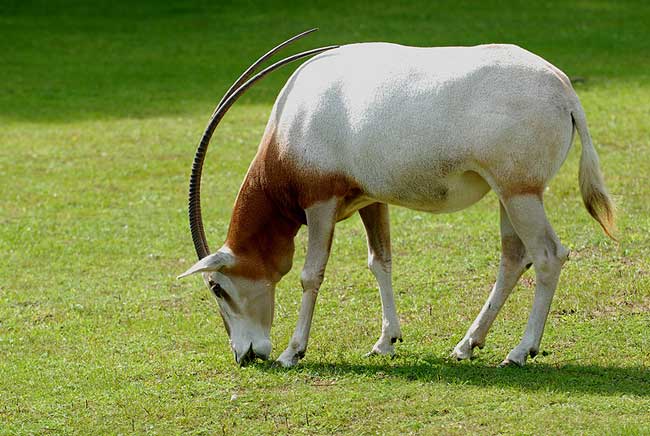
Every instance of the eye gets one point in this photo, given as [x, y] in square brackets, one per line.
[216, 289]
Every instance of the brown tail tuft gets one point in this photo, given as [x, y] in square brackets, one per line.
[592, 186]
[600, 207]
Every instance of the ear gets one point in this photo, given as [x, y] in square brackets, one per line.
[212, 262]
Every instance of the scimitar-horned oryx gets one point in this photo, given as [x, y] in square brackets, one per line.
[362, 126]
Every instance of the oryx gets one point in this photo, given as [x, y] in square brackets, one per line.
[361, 126]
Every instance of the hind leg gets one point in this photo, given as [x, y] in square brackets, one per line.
[514, 261]
[526, 213]
[376, 221]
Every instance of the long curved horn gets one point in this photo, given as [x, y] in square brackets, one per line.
[196, 221]
[250, 70]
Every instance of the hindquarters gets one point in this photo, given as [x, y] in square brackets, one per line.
[521, 156]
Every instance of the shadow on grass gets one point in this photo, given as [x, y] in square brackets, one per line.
[569, 377]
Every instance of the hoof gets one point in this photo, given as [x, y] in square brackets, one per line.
[459, 355]
[289, 358]
[384, 346]
[386, 350]
[519, 355]
[286, 363]
[463, 350]
[510, 363]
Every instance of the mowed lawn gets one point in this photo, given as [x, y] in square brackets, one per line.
[101, 107]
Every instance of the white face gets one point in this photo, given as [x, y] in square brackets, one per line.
[246, 307]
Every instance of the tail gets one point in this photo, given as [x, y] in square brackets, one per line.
[592, 187]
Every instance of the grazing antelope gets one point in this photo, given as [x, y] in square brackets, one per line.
[362, 126]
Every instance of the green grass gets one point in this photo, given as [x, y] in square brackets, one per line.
[101, 106]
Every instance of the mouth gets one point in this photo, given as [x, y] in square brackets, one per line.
[249, 357]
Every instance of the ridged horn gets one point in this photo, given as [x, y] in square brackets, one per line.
[250, 70]
[233, 93]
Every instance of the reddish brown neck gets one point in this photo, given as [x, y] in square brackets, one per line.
[270, 208]
[260, 236]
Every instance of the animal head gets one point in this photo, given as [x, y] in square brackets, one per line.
[246, 306]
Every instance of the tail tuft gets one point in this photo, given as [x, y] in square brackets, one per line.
[600, 207]
[592, 186]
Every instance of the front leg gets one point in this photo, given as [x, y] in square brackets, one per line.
[321, 218]
[376, 221]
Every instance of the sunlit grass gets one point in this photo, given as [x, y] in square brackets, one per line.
[96, 335]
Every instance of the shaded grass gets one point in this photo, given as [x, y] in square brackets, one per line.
[99, 115]
[87, 60]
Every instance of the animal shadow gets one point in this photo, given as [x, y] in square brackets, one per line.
[566, 377]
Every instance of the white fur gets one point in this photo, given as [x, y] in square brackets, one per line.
[250, 321]
[395, 118]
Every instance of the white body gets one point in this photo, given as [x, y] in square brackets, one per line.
[409, 123]
[432, 129]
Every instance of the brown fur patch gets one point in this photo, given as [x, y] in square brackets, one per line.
[294, 189]
[524, 189]
[375, 220]
[270, 208]
[512, 248]
[259, 236]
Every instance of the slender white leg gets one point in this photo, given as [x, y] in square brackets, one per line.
[320, 221]
[529, 220]
[376, 221]
[514, 262]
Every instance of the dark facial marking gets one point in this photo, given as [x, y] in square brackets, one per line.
[221, 293]
[216, 289]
